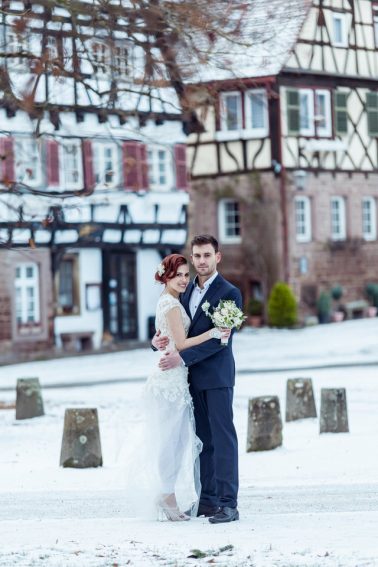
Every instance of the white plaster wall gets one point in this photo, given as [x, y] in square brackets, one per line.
[148, 290]
[90, 270]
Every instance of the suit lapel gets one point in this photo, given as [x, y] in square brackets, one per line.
[211, 292]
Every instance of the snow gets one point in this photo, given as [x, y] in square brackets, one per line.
[312, 502]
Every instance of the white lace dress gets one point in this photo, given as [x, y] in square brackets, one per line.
[169, 457]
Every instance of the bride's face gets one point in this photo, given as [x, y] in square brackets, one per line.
[179, 282]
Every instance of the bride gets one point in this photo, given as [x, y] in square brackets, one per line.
[171, 473]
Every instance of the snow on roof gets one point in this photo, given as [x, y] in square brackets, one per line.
[268, 34]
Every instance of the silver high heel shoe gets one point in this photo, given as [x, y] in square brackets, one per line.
[165, 511]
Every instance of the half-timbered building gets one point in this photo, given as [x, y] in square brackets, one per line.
[93, 192]
[286, 172]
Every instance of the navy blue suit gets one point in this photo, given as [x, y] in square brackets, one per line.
[212, 378]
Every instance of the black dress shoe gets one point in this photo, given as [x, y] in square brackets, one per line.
[225, 515]
[207, 511]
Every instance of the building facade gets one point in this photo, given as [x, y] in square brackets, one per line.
[93, 192]
[288, 164]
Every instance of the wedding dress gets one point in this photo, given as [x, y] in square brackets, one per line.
[169, 449]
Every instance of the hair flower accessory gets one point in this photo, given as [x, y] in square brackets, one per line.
[160, 269]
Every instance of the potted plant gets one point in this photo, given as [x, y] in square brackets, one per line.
[255, 312]
[323, 306]
[336, 294]
[371, 292]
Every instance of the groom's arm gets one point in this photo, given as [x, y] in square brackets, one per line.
[198, 353]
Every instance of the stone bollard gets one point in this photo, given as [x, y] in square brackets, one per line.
[29, 401]
[264, 424]
[300, 402]
[81, 446]
[333, 411]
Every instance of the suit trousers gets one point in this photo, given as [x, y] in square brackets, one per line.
[219, 458]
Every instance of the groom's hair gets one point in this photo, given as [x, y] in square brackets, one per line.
[202, 239]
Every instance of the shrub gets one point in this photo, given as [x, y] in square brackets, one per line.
[282, 306]
[337, 292]
[323, 306]
[371, 291]
[255, 307]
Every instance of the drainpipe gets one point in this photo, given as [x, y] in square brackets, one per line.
[283, 197]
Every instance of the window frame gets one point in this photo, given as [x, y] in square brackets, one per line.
[224, 131]
[101, 67]
[338, 16]
[99, 161]
[19, 152]
[222, 223]
[153, 163]
[323, 131]
[63, 168]
[341, 234]
[374, 8]
[372, 235]
[310, 131]
[260, 132]
[24, 285]
[306, 235]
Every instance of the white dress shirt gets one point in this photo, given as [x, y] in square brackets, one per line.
[199, 293]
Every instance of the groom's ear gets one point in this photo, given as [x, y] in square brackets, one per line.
[218, 257]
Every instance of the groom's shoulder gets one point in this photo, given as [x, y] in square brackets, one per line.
[227, 284]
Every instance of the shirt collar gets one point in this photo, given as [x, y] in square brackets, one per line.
[207, 282]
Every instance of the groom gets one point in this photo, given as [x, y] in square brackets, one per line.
[212, 378]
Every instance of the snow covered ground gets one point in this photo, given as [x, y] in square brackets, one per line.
[312, 502]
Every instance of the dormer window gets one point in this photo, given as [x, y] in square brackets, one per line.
[339, 30]
[243, 115]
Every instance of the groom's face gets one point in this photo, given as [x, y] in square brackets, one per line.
[205, 259]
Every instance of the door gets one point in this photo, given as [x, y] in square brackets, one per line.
[120, 298]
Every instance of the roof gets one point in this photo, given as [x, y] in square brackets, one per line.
[269, 31]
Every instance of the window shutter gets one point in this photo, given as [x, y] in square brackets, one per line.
[341, 113]
[7, 161]
[89, 179]
[52, 151]
[135, 166]
[181, 169]
[372, 113]
[293, 111]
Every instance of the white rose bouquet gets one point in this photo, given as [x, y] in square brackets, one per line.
[225, 315]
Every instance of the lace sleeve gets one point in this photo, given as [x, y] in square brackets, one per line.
[166, 303]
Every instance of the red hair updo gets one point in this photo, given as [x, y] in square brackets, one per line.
[168, 267]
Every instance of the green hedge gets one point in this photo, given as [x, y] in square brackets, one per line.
[282, 306]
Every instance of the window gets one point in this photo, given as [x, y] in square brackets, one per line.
[17, 43]
[322, 116]
[369, 218]
[339, 30]
[27, 294]
[231, 111]
[160, 174]
[306, 112]
[303, 219]
[28, 162]
[338, 221]
[52, 51]
[243, 115]
[105, 160]
[72, 170]
[120, 60]
[229, 221]
[372, 113]
[309, 112]
[68, 286]
[375, 21]
[256, 112]
[341, 113]
[101, 57]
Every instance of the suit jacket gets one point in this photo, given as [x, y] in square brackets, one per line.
[211, 365]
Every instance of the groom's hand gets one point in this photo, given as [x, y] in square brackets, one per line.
[170, 360]
[159, 342]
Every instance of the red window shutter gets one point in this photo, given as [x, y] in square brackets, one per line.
[135, 166]
[89, 178]
[144, 165]
[181, 169]
[52, 150]
[7, 161]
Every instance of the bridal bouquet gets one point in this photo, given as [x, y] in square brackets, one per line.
[225, 315]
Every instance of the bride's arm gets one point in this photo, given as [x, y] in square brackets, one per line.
[176, 327]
